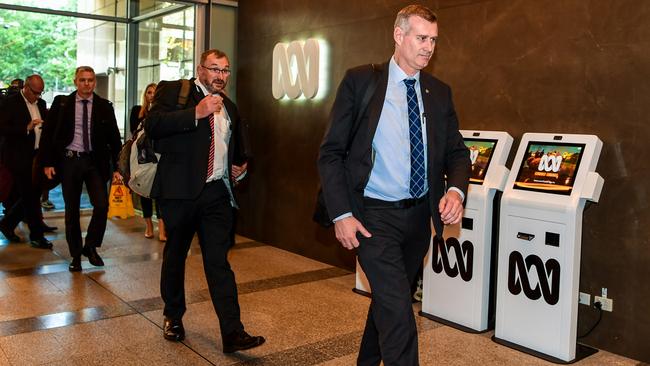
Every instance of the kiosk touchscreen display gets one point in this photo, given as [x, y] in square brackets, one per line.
[549, 167]
[480, 153]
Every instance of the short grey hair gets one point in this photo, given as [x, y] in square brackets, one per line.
[402, 19]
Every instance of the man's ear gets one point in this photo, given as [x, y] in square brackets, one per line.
[398, 35]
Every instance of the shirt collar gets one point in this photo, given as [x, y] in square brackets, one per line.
[396, 75]
[79, 98]
[201, 86]
[27, 101]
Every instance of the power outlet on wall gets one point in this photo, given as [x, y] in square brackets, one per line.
[607, 304]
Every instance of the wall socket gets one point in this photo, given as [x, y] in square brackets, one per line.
[608, 304]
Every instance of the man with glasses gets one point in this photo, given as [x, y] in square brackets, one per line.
[199, 142]
[81, 143]
[21, 125]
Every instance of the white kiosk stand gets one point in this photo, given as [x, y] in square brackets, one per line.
[539, 244]
[362, 287]
[457, 270]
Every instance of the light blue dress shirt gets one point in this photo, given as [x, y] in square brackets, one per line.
[391, 149]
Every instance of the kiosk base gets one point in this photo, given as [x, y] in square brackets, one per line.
[582, 351]
[361, 292]
[452, 324]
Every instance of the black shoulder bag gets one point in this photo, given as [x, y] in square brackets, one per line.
[320, 215]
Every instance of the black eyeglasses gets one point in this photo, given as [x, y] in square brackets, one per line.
[216, 70]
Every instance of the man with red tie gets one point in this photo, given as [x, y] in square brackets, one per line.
[199, 142]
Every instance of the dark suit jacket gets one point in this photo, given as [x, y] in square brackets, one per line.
[344, 175]
[18, 147]
[183, 143]
[58, 133]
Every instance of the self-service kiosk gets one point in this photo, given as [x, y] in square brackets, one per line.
[456, 281]
[552, 178]
[362, 286]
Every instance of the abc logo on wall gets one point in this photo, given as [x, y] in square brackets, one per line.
[296, 68]
[463, 257]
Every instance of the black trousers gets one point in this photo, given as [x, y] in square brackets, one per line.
[76, 171]
[211, 216]
[391, 259]
[147, 207]
[25, 205]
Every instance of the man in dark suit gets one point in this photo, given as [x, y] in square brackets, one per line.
[21, 122]
[384, 192]
[81, 143]
[198, 143]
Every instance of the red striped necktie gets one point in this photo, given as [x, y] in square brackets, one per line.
[211, 156]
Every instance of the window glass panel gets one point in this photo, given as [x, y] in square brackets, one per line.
[95, 7]
[166, 48]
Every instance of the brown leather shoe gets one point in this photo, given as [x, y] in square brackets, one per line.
[240, 340]
[173, 330]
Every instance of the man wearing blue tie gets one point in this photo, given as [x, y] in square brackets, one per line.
[405, 167]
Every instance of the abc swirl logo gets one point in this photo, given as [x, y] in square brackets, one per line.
[463, 257]
[547, 273]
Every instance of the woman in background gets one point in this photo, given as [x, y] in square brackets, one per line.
[138, 114]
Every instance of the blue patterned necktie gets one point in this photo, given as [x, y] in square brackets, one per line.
[418, 171]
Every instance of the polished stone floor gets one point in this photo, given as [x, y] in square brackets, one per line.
[112, 315]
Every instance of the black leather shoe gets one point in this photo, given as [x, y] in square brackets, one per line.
[75, 265]
[240, 340]
[41, 243]
[49, 229]
[173, 330]
[10, 235]
[92, 255]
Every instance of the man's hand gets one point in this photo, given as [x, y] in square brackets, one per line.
[451, 208]
[208, 105]
[236, 171]
[33, 123]
[346, 232]
[49, 172]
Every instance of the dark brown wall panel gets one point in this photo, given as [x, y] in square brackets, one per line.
[571, 66]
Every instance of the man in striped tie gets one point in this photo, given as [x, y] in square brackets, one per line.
[200, 137]
[406, 166]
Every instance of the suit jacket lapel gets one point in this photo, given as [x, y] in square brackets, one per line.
[430, 112]
[377, 102]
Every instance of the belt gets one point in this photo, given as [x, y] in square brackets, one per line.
[77, 154]
[405, 203]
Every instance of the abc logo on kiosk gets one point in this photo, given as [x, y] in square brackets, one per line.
[296, 69]
[548, 277]
[463, 257]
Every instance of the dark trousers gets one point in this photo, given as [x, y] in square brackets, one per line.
[25, 205]
[147, 207]
[391, 259]
[76, 171]
[210, 215]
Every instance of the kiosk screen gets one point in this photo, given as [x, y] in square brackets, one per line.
[480, 153]
[549, 167]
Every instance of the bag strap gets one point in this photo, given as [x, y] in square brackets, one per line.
[183, 94]
[370, 91]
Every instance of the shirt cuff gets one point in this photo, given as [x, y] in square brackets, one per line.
[347, 214]
[462, 195]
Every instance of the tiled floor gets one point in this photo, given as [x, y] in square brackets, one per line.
[112, 315]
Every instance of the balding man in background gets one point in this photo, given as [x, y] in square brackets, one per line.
[21, 124]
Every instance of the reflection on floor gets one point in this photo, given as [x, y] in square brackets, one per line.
[112, 315]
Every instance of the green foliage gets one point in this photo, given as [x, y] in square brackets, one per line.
[38, 44]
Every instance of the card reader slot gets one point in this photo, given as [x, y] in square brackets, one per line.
[525, 236]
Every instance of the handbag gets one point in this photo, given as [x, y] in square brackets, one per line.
[320, 215]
